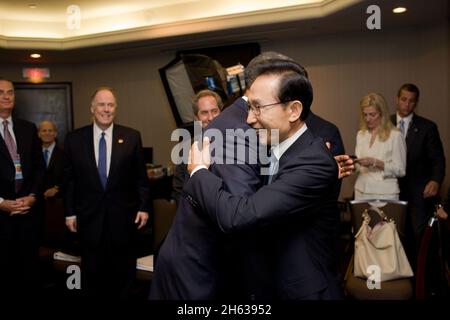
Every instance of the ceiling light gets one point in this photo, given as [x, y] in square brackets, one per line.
[32, 6]
[399, 10]
[35, 55]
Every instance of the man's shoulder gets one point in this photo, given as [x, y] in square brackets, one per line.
[21, 123]
[79, 131]
[422, 121]
[233, 117]
[313, 121]
[125, 130]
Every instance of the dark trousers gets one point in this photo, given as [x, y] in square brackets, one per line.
[19, 251]
[107, 272]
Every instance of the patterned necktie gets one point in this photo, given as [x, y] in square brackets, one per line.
[46, 157]
[402, 127]
[273, 169]
[102, 160]
[9, 141]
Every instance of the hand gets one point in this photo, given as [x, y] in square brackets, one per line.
[24, 204]
[50, 193]
[441, 213]
[197, 157]
[12, 206]
[431, 189]
[71, 224]
[141, 218]
[346, 165]
[367, 161]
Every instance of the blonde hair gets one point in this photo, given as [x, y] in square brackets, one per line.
[377, 101]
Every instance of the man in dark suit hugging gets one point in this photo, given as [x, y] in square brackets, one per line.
[296, 209]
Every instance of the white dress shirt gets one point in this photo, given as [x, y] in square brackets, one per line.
[406, 122]
[50, 149]
[10, 128]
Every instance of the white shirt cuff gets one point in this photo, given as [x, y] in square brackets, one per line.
[202, 166]
[71, 217]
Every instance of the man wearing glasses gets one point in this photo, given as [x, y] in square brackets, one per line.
[295, 211]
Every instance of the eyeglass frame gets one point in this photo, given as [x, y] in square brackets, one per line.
[257, 110]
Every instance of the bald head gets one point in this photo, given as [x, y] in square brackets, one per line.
[47, 132]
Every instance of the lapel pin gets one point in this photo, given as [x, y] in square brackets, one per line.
[120, 141]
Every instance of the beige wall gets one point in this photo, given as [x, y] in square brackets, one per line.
[345, 68]
[342, 68]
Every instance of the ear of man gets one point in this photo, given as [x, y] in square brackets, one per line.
[295, 108]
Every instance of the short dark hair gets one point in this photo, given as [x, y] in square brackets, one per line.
[293, 85]
[205, 93]
[251, 71]
[411, 88]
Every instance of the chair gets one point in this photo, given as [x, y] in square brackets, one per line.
[356, 288]
[431, 279]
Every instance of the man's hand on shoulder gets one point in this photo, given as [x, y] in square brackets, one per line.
[346, 165]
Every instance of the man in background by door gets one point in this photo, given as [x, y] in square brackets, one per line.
[425, 163]
[21, 177]
[53, 158]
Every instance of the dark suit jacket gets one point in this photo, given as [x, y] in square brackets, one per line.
[326, 130]
[298, 207]
[32, 162]
[112, 210]
[54, 173]
[425, 158]
[191, 262]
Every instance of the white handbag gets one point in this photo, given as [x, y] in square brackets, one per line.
[381, 247]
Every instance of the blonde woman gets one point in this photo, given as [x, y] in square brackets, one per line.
[380, 151]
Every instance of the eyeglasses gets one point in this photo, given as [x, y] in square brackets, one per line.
[257, 109]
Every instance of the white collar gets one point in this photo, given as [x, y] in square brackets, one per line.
[50, 147]
[98, 130]
[9, 119]
[406, 119]
[281, 148]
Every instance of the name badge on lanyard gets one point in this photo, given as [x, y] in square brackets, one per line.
[18, 168]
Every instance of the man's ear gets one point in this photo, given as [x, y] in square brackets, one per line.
[295, 108]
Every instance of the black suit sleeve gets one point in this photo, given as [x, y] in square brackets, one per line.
[142, 178]
[179, 178]
[435, 153]
[38, 165]
[337, 146]
[297, 190]
[69, 179]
